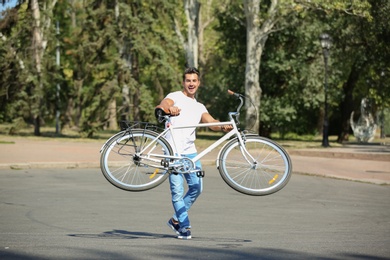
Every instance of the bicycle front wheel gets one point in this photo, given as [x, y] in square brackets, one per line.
[124, 169]
[269, 173]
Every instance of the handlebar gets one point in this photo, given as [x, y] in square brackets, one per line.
[241, 98]
[237, 95]
[163, 115]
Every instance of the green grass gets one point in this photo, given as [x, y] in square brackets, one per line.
[49, 132]
[6, 142]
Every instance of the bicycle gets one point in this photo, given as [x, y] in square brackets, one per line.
[140, 158]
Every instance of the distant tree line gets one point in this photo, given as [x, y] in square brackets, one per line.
[88, 64]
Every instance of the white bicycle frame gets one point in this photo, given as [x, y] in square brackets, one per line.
[225, 137]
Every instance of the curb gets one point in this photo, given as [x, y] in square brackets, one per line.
[345, 178]
[64, 165]
[341, 155]
[48, 165]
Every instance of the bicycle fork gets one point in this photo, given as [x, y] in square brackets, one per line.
[245, 153]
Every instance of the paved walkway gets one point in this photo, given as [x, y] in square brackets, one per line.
[367, 163]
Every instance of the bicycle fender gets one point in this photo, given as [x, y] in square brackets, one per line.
[109, 139]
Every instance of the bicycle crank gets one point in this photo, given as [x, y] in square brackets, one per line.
[183, 165]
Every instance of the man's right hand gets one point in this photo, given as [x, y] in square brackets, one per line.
[167, 105]
[174, 111]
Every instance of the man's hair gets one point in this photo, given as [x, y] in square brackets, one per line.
[191, 70]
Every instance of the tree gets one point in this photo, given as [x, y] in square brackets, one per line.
[41, 25]
[35, 73]
[13, 103]
[194, 43]
[261, 24]
[116, 54]
[258, 29]
[192, 8]
[154, 52]
[362, 43]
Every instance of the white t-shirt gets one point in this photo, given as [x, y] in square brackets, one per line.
[190, 114]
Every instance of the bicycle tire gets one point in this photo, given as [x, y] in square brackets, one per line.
[124, 170]
[271, 173]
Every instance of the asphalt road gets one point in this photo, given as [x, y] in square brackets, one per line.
[77, 214]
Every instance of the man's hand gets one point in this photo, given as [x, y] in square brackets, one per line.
[207, 118]
[167, 105]
[174, 111]
[226, 128]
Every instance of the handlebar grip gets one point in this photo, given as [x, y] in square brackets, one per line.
[159, 113]
[233, 93]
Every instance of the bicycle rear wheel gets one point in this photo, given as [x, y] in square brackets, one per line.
[270, 173]
[124, 169]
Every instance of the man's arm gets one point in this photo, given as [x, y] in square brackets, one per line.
[207, 118]
[167, 105]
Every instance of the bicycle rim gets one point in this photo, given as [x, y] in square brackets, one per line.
[124, 170]
[269, 174]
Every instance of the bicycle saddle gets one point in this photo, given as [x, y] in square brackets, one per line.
[160, 114]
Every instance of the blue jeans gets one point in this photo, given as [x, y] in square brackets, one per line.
[182, 203]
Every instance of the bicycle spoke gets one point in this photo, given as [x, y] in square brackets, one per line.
[125, 168]
[269, 173]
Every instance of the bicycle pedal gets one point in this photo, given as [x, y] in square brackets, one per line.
[200, 174]
[164, 163]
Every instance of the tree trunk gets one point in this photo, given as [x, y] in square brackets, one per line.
[112, 121]
[192, 8]
[37, 54]
[125, 103]
[256, 35]
[136, 94]
[204, 21]
[37, 35]
[38, 47]
[79, 102]
[69, 121]
[346, 105]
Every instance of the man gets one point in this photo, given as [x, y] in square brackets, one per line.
[185, 110]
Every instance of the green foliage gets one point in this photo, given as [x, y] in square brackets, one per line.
[226, 64]
[378, 35]
[147, 105]
[14, 65]
[277, 113]
[103, 52]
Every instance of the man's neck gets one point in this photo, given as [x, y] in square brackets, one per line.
[186, 94]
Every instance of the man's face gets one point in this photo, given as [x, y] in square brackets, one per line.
[191, 84]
